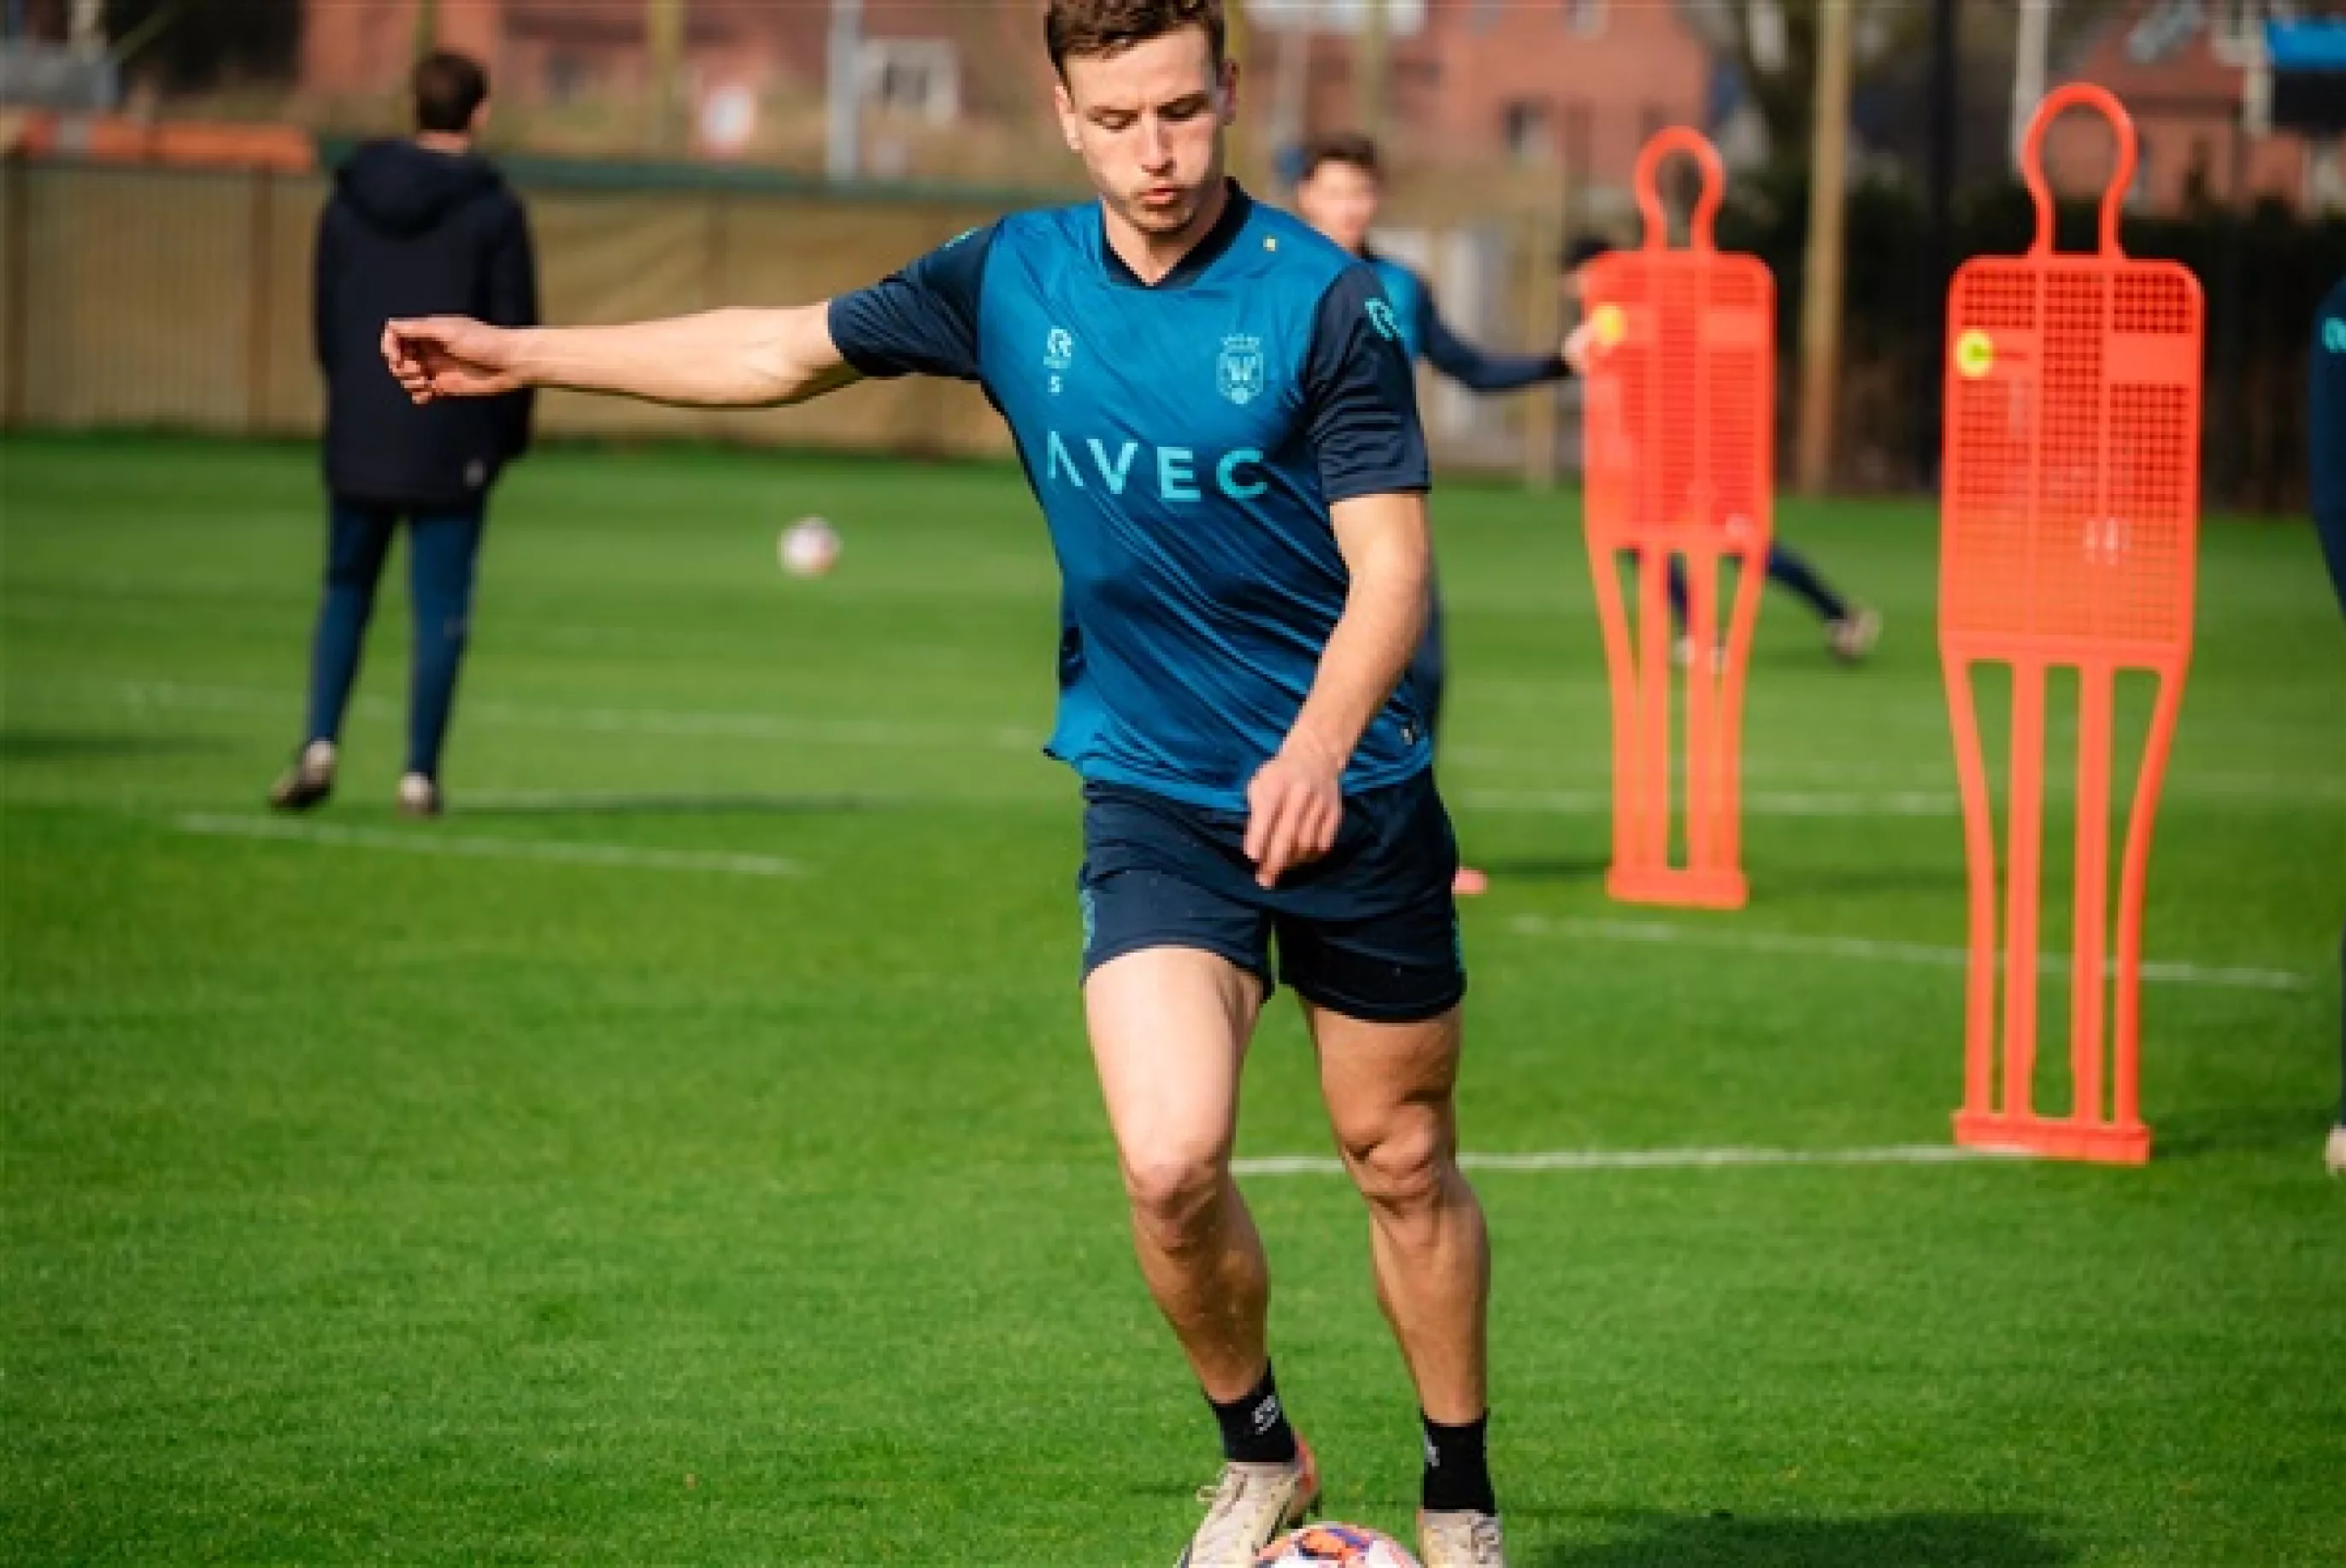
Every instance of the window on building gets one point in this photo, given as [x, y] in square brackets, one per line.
[1401, 18]
[1528, 128]
[2141, 193]
[2236, 28]
[2325, 180]
[2163, 28]
[566, 77]
[919, 78]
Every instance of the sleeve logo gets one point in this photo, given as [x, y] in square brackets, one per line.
[1381, 317]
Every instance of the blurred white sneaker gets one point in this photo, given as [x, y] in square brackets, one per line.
[1852, 637]
[418, 796]
[1684, 651]
[308, 782]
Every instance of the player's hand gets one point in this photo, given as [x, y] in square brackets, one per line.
[1294, 806]
[1581, 348]
[451, 356]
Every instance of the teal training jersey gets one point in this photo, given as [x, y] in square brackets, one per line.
[1186, 440]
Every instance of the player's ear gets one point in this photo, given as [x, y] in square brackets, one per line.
[1070, 123]
[1229, 91]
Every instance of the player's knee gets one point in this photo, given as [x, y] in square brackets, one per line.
[350, 575]
[1402, 1165]
[444, 623]
[1172, 1193]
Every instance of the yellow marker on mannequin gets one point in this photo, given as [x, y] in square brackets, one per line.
[1974, 354]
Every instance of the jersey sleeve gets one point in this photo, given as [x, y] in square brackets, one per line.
[1473, 368]
[2325, 435]
[922, 320]
[1361, 411]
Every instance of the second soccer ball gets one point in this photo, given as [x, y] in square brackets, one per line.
[809, 547]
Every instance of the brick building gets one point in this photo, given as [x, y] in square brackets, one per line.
[1578, 83]
[2183, 68]
[1575, 83]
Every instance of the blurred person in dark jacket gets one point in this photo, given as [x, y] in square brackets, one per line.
[2325, 440]
[1340, 191]
[414, 227]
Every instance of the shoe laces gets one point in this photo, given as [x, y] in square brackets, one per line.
[1479, 1535]
[1234, 1505]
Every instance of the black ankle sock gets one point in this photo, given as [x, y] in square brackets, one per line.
[1254, 1425]
[1457, 1476]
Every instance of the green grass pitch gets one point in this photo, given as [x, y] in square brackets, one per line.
[686, 1153]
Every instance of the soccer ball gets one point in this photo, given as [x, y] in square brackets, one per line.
[1334, 1546]
[809, 547]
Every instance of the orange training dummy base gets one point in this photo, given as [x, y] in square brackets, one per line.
[1679, 432]
[2071, 517]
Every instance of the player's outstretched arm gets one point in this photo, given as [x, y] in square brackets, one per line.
[719, 359]
[1296, 801]
[1478, 369]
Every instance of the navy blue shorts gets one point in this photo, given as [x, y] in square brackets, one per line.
[1368, 931]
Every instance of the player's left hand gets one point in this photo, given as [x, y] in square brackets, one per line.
[1580, 346]
[1295, 804]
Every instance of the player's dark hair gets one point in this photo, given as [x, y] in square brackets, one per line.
[1091, 28]
[1351, 148]
[1584, 251]
[450, 89]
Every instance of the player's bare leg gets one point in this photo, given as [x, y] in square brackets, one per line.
[1389, 1093]
[1169, 1028]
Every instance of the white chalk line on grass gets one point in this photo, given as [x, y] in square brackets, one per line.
[619, 720]
[1756, 802]
[1653, 1159]
[881, 732]
[1870, 950]
[474, 846]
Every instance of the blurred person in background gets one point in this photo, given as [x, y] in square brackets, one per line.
[414, 227]
[1340, 191]
[1850, 629]
[2325, 440]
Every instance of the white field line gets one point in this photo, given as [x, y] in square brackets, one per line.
[1652, 1159]
[474, 846]
[1756, 802]
[1869, 950]
[614, 720]
[879, 732]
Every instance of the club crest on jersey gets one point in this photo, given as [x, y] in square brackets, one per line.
[1240, 372]
[1058, 349]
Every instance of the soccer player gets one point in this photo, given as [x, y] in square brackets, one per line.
[1214, 408]
[1850, 629]
[2326, 439]
[1340, 191]
[414, 226]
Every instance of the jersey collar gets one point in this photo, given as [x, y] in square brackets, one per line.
[1200, 256]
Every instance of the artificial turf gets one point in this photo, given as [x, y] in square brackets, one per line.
[686, 1152]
